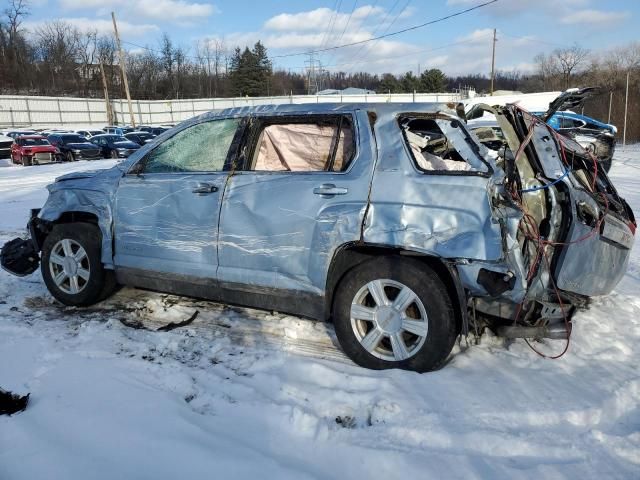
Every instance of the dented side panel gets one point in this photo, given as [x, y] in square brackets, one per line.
[441, 214]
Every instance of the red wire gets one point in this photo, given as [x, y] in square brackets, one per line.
[541, 243]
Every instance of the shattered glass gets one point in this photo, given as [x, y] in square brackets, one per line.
[200, 148]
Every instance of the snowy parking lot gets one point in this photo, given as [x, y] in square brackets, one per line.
[241, 393]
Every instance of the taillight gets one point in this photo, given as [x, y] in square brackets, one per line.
[632, 226]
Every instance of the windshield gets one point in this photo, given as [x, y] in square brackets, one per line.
[73, 139]
[34, 141]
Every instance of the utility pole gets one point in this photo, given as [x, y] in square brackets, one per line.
[610, 101]
[123, 69]
[626, 104]
[106, 95]
[493, 60]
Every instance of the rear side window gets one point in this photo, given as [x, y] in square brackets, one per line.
[200, 148]
[433, 151]
[304, 146]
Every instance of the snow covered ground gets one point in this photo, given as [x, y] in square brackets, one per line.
[245, 394]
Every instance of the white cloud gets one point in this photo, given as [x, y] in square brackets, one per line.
[594, 17]
[320, 18]
[166, 10]
[102, 26]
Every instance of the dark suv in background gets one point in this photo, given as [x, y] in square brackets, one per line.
[115, 146]
[74, 147]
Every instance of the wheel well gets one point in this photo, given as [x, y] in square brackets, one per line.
[42, 228]
[72, 217]
[351, 255]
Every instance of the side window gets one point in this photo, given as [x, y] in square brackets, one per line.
[430, 147]
[309, 146]
[200, 148]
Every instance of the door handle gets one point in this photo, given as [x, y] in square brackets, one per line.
[204, 189]
[329, 190]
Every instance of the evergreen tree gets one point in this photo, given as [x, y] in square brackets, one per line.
[433, 81]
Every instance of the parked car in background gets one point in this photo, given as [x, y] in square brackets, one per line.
[114, 130]
[390, 219]
[159, 130]
[5, 146]
[154, 130]
[49, 131]
[595, 136]
[140, 138]
[33, 150]
[17, 133]
[74, 147]
[89, 133]
[114, 146]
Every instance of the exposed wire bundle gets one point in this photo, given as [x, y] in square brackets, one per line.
[531, 230]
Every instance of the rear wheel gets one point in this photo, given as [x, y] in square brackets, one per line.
[114, 154]
[394, 313]
[71, 265]
[26, 161]
[70, 158]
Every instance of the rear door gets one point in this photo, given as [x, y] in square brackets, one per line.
[301, 192]
[167, 206]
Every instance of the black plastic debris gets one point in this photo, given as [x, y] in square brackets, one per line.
[11, 403]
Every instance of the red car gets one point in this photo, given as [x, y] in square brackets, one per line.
[33, 150]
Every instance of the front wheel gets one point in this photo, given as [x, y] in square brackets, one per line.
[70, 157]
[394, 312]
[71, 265]
[114, 154]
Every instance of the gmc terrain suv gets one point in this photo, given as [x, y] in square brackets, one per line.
[392, 220]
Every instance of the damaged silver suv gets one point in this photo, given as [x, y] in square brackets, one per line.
[393, 220]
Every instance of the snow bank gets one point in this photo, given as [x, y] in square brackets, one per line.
[215, 400]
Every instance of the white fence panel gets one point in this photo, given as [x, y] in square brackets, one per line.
[28, 111]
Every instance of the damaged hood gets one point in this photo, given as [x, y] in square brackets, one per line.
[105, 180]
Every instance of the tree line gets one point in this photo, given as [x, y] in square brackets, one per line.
[59, 59]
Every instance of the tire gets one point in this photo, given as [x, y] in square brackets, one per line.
[606, 164]
[69, 157]
[26, 161]
[425, 348]
[114, 154]
[95, 284]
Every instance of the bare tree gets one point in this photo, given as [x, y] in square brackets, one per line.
[569, 59]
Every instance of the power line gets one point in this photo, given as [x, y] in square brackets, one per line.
[400, 12]
[398, 32]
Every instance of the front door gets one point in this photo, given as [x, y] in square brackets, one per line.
[167, 206]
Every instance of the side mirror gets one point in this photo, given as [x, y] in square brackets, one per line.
[137, 168]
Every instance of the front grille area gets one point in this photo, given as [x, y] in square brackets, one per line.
[43, 157]
[5, 149]
[90, 154]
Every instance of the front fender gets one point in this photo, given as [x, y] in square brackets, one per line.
[95, 203]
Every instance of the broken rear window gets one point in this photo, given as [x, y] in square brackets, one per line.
[438, 145]
[312, 146]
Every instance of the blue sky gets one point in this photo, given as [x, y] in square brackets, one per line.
[459, 45]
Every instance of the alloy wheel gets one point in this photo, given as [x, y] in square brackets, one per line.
[69, 266]
[389, 320]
